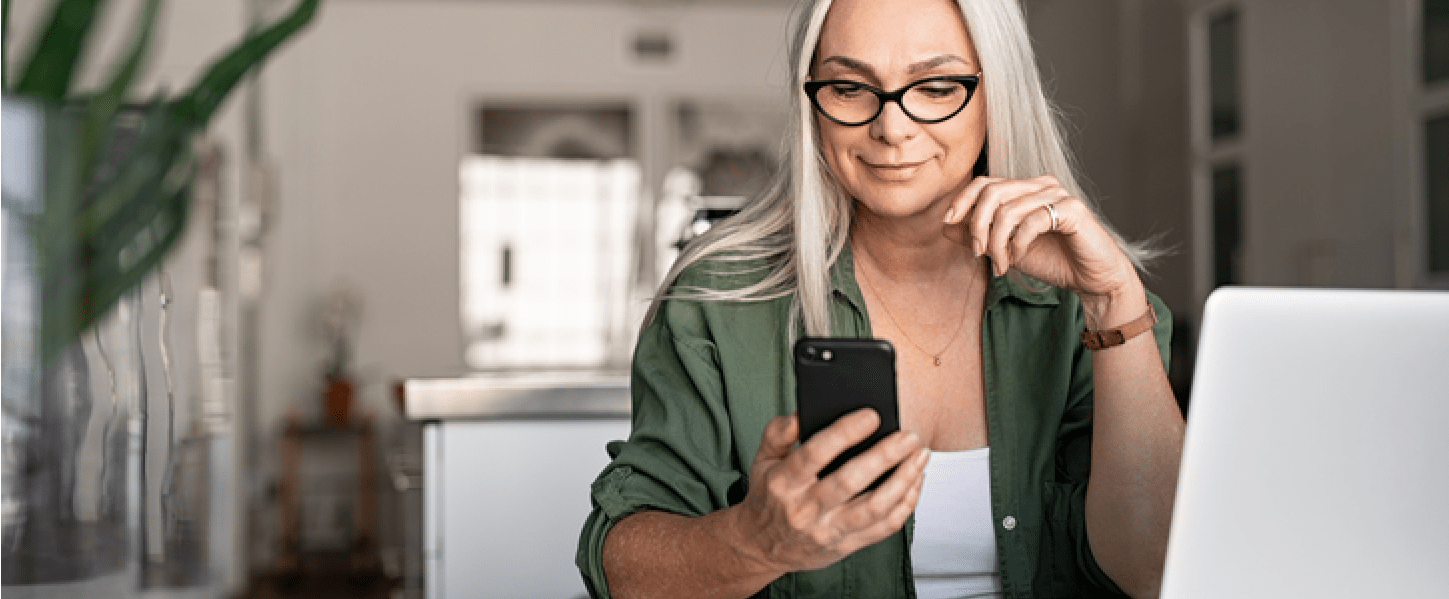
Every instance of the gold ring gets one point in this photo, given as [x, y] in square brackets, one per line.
[1052, 211]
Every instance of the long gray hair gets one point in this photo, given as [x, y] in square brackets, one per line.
[799, 224]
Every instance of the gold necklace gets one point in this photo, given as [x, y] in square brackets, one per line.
[961, 322]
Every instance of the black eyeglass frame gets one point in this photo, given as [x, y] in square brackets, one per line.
[970, 82]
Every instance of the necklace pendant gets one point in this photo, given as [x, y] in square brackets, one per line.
[938, 360]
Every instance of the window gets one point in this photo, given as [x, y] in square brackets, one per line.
[1220, 197]
[1223, 74]
[1227, 190]
[1436, 41]
[1436, 188]
[547, 207]
[1434, 58]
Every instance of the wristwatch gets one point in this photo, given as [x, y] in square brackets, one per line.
[1106, 338]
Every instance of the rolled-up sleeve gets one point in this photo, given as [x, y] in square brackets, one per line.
[679, 457]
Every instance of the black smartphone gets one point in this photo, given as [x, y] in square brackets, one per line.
[836, 376]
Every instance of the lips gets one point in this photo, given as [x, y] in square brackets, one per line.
[894, 165]
[893, 171]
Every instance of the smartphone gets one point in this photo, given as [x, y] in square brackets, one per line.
[836, 376]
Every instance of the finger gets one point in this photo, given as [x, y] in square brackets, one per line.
[982, 220]
[902, 510]
[960, 209]
[909, 474]
[1036, 224]
[879, 513]
[780, 435]
[961, 206]
[1072, 213]
[844, 433]
[856, 475]
[896, 517]
[1010, 217]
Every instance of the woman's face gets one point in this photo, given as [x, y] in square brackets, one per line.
[894, 166]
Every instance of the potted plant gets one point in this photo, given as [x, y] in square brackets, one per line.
[96, 192]
[340, 315]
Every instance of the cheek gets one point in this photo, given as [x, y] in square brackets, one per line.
[835, 147]
[969, 139]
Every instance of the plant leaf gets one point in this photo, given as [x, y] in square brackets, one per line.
[5, 45]
[72, 195]
[107, 224]
[201, 101]
[92, 267]
[146, 158]
[106, 277]
[58, 50]
[101, 109]
[100, 225]
[140, 45]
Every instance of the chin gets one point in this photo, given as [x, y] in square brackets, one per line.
[897, 200]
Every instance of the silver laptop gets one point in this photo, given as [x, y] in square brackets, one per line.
[1316, 460]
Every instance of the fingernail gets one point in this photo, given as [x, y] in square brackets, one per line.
[950, 214]
[979, 248]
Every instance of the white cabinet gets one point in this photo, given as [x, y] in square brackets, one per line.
[505, 496]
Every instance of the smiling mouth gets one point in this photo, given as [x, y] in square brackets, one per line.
[896, 166]
[894, 172]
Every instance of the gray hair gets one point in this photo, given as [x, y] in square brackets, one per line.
[799, 224]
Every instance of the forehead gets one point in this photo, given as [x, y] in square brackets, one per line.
[891, 34]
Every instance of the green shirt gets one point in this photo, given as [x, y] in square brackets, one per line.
[708, 375]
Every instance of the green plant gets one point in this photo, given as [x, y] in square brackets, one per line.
[115, 197]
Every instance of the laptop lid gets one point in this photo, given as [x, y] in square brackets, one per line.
[1316, 457]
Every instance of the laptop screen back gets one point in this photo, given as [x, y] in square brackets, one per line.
[1316, 457]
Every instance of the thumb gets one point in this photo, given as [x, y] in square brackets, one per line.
[780, 435]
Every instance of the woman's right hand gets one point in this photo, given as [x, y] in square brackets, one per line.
[794, 521]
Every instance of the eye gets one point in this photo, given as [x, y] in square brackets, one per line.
[846, 89]
[940, 89]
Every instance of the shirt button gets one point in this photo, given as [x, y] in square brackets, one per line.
[1009, 523]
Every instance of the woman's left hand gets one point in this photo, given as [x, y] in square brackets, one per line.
[1007, 220]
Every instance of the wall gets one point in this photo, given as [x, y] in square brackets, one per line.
[1329, 181]
[1319, 143]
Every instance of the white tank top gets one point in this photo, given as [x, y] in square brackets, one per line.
[953, 551]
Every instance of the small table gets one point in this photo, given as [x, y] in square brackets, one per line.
[360, 553]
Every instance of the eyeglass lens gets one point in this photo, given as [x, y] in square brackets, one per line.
[929, 100]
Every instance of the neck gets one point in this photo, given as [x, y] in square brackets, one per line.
[911, 250]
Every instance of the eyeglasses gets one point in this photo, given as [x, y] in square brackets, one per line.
[930, 100]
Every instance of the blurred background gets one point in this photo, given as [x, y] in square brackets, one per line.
[422, 200]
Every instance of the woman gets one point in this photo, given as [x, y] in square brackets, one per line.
[983, 277]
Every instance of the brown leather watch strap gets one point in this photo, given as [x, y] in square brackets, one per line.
[1106, 338]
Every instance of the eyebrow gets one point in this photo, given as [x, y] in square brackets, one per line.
[924, 65]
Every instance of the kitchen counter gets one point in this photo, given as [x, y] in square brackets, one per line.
[568, 395]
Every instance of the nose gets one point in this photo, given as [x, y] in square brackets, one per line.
[892, 126]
